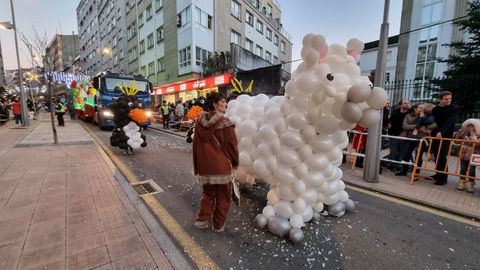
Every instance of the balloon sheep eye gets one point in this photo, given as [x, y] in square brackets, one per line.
[130, 104]
[140, 105]
[330, 77]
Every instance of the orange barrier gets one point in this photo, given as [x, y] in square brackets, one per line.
[430, 166]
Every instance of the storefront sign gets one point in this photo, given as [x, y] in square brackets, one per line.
[194, 84]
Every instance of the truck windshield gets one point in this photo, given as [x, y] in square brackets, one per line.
[114, 84]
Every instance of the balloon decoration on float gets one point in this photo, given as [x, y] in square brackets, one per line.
[128, 115]
[294, 142]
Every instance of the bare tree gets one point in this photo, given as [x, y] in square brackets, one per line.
[37, 48]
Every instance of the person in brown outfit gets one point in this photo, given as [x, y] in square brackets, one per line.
[470, 131]
[215, 156]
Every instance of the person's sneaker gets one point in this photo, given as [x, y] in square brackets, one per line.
[461, 184]
[201, 224]
[469, 186]
[221, 229]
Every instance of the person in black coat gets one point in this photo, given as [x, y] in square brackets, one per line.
[445, 115]
[396, 129]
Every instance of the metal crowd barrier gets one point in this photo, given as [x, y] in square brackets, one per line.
[450, 156]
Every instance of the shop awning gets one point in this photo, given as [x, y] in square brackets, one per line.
[195, 84]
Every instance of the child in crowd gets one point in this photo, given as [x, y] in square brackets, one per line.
[470, 131]
[426, 122]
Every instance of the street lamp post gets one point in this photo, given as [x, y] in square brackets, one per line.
[374, 138]
[7, 25]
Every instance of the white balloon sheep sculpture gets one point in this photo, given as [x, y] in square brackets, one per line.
[295, 142]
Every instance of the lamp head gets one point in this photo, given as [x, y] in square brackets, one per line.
[6, 25]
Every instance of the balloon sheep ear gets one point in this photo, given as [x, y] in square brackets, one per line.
[355, 48]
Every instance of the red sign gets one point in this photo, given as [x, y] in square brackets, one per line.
[194, 84]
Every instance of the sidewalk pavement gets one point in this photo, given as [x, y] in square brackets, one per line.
[422, 191]
[62, 208]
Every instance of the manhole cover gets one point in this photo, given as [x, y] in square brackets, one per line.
[146, 187]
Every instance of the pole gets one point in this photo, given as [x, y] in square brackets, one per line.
[374, 139]
[25, 120]
[52, 114]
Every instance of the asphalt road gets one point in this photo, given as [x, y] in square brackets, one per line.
[378, 235]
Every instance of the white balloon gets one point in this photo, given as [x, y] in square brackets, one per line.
[300, 171]
[246, 144]
[319, 96]
[286, 107]
[268, 211]
[272, 163]
[297, 120]
[299, 187]
[299, 206]
[307, 39]
[307, 82]
[267, 132]
[285, 193]
[280, 126]
[305, 152]
[296, 221]
[245, 159]
[136, 145]
[370, 117]
[359, 92]
[307, 214]
[321, 144]
[275, 145]
[236, 120]
[260, 167]
[310, 197]
[285, 176]
[351, 112]
[345, 125]
[343, 196]
[328, 170]
[331, 200]
[355, 45]
[299, 103]
[314, 179]
[274, 113]
[244, 110]
[232, 104]
[314, 113]
[318, 207]
[334, 154]
[289, 157]
[284, 209]
[378, 98]
[247, 128]
[309, 133]
[243, 99]
[263, 149]
[327, 124]
[272, 197]
[311, 57]
[292, 139]
[130, 142]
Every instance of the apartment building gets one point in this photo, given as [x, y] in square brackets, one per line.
[3, 80]
[61, 52]
[89, 36]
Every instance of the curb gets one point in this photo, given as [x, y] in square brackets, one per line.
[415, 200]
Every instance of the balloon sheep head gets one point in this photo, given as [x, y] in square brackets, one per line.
[295, 142]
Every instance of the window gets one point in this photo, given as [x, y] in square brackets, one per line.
[159, 34]
[431, 11]
[268, 56]
[142, 46]
[121, 54]
[249, 18]
[269, 34]
[114, 41]
[143, 71]
[259, 51]
[184, 57]
[202, 18]
[275, 60]
[151, 68]
[135, 53]
[158, 4]
[160, 65]
[426, 53]
[235, 9]
[183, 17]
[282, 46]
[140, 20]
[235, 37]
[148, 12]
[259, 26]
[150, 41]
[201, 56]
[249, 44]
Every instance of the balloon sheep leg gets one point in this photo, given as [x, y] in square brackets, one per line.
[295, 142]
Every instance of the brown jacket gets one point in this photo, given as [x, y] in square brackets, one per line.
[468, 148]
[215, 148]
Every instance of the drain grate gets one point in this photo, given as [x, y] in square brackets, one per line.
[146, 187]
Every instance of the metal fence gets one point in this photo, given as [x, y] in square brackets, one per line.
[421, 91]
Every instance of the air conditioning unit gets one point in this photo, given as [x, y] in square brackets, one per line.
[179, 20]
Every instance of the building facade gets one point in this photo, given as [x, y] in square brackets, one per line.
[368, 60]
[89, 36]
[425, 26]
[3, 80]
[61, 52]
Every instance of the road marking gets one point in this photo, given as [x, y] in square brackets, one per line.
[438, 212]
[194, 251]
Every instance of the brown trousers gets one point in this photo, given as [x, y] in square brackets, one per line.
[215, 203]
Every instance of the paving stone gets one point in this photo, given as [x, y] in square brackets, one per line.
[89, 259]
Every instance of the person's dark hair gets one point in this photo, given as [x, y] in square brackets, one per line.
[401, 101]
[214, 98]
[444, 94]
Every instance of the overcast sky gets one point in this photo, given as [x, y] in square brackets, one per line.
[337, 20]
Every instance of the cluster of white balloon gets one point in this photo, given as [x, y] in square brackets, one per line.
[295, 142]
[132, 130]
